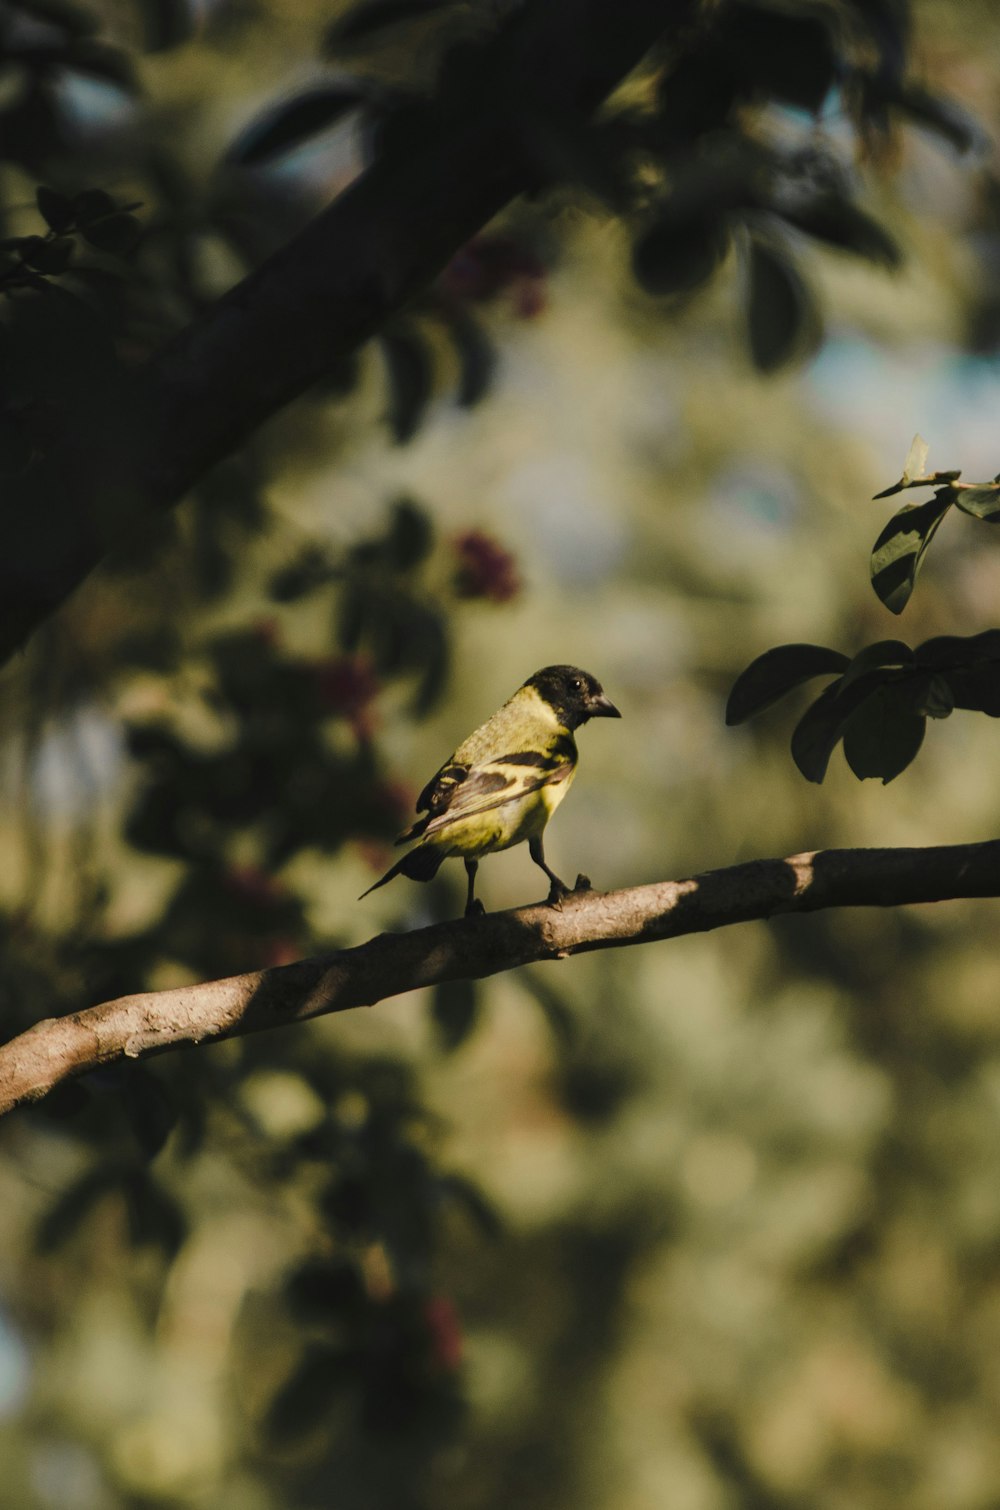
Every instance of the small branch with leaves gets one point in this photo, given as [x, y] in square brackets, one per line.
[134, 1027]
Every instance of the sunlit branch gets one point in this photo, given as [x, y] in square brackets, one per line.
[471, 948]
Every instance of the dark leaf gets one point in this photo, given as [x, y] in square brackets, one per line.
[154, 1217]
[362, 21]
[558, 1014]
[942, 115]
[785, 54]
[834, 219]
[307, 1398]
[977, 688]
[51, 256]
[167, 23]
[150, 1110]
[467, 1195]
[882, 653]
[93, 204]
[75, 1203]
[55, 209]
[675, 255]
[411, 379]
[981, 502]
[820, 728]
[781, 317]
[948, 650]
[777, 672]
[411, 534]
[939, 699]
[289, 124]
[476, 355]
[116, 233]
[454, 1009]
[103, 62]
[324, 1290]
[899, 550]
[883, 735]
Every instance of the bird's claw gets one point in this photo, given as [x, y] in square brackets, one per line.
[475, 909]
[558, 891]
[583, 883]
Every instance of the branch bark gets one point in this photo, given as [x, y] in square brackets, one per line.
[134, 1027]
[321, 296]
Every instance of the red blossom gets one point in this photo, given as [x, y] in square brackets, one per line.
[253, 886]
[347, 686]
[489, 265]
[485, 569]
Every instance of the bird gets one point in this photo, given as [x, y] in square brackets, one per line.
[502, 785]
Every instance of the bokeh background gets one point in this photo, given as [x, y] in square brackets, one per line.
[706, 1225]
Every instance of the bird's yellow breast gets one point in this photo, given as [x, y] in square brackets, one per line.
[512, 823]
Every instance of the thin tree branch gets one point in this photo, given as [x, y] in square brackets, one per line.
[319, 297]
[471, 948]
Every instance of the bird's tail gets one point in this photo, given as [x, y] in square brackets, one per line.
[421, 864]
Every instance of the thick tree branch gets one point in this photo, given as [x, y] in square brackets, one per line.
[471, 948]
[320, 297]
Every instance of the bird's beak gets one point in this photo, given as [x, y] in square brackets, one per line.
[601, 707]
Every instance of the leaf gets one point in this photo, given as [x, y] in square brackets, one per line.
[323, 1290]
[675, 255]
[93, 204]
[821, 727]
[454, 1010]
[882, 653]
[51, 256]
[982, 502]
[150, 1110]
[116, 233]
[154, 1216]
[939, 699]
[411, 380]
[375, 15]
[55, 209]
[883, 735]
[948, 650]
[977, 688]
[915, 465]
[833, 218]
[410, 536]
[899, 550]
[167, 24]
[945, 116]
[308, 1396]
[776, 673]
[789, 56]
[74, 1205]
[476, 353]
[780, 312]
[288, 125]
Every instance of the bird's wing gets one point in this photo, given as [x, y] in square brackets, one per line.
[459, 791]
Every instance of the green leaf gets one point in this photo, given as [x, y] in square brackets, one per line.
[51, 256]
[781, 316]
[411, 380]
[899, 550]
[883, 735]
[411, 534]
[777, 672]
[882, 653]
[821, 727]
[116, 233]
[290, 124]
[55, 209]
[373, 16]
[947, 650]
[834, 219]
[939, 699]
[982, 502]
[454, 1011]
[93, 204]
[149, 1109]
[676, 254]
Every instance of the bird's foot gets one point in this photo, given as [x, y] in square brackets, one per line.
[583, 883]
[475, 909]
[557, 892]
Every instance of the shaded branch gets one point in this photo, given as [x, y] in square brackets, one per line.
[320, 297]
[472, 948]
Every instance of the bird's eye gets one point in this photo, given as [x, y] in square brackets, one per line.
[577, 684]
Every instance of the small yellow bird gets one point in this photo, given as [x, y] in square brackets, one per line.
[505, 781]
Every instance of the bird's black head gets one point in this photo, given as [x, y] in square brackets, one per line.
[574, 694]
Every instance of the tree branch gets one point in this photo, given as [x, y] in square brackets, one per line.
[320, 297]
[472, 948]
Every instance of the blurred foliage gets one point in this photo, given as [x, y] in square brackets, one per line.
[710, 1225]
